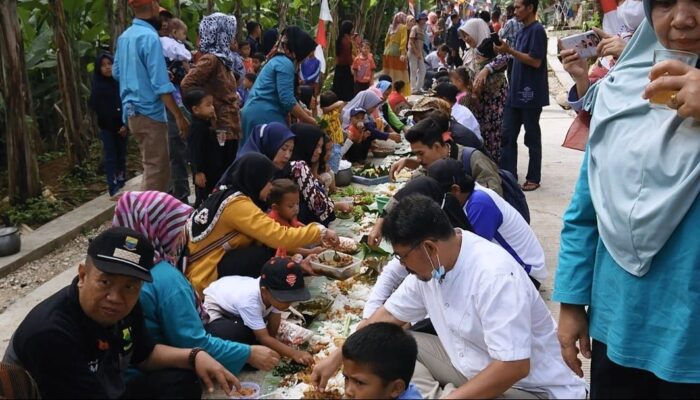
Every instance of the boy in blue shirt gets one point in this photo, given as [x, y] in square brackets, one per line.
[378, 362]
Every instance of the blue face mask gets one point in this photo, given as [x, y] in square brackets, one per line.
[438, 273]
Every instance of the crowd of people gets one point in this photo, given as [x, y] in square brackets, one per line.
[174, 298]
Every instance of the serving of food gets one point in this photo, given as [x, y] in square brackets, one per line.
[248, 390]
[347, 245]
[370, 171]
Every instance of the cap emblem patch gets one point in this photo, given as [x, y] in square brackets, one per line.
[291, 280]
[130, 243]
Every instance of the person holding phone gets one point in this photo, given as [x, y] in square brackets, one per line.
[529, 92]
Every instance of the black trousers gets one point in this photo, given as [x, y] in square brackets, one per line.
[231, 328]
[170, 383]
[513, 119]
[613, 381]
[247, 261]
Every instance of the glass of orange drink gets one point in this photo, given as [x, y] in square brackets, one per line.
[662, 99]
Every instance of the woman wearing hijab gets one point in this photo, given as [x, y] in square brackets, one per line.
[269, 41]
[368, 101]
[105, 102]
[315, 205]
[342, 78]
[225, 231]
[628, 262]
[171, 308]
[275, 141]
[214, 73]
[273, 94]
[383, 89]
[394, 273]
[394, 61]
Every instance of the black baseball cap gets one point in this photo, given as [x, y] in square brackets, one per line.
[122, 251]
[357, 110]
[284, 279]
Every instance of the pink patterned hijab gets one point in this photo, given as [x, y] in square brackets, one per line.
[159, 217]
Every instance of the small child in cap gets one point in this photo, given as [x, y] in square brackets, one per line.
[284, 204]
[378, 363]
[238, 306]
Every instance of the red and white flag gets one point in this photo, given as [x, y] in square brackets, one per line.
[323, 17]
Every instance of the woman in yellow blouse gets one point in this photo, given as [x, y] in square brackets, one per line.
[230, 234]
[394, 61]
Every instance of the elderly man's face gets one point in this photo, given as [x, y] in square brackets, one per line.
[677, 24]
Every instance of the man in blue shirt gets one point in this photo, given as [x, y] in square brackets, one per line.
[528, 93]
[145, 88]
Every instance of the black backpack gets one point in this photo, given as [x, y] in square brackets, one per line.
[512, 193]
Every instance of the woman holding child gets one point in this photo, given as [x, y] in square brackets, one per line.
[230, 234]
[214, 73]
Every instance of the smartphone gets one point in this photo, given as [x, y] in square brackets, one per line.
[496, 39]
[585, 44]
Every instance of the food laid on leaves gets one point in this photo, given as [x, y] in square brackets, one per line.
[371, 171]
[347, 245]
[288, 368]
[328, 394]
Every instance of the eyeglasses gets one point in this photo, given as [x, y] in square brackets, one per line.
[403, 258]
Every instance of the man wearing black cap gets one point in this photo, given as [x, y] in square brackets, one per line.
[78, 342]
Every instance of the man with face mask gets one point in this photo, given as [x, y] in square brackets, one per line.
[495, 335]
[145, 88]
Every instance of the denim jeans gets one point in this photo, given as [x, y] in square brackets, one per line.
[179, 184]
[513, 119]
[114, 149]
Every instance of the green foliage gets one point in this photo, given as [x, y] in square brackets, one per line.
[594, 22]
[35, 211]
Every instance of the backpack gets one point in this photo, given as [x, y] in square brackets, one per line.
[512, 193]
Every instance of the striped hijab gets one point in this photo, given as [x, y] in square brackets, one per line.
[158, 216]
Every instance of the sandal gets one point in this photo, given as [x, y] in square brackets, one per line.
[530, 186]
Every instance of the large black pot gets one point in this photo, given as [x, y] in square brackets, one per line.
[9, 241]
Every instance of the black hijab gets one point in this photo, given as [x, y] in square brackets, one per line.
[306, 93]
[300, 43]
[249, 175]
[430, 187]
[269, 40]
[307, 137]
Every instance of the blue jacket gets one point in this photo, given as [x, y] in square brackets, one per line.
[140, 68]
[170, 311]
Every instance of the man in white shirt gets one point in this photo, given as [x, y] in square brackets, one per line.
[495, 336]
[462, 114]
[437, 58]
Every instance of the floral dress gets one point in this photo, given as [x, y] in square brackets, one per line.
[488, 106]
[315, 205]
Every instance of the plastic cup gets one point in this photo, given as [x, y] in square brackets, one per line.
[221, 137]
[662, 99]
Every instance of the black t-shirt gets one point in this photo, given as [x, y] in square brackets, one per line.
[70, 355]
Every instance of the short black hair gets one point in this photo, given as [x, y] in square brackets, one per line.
[414, 219]
[251, 25]
[327, 99]
[533, 3]
[243, 43]
[454, 15]
[462, 74]
[441, 74]
[280, 187]
[385, 77]
[236, 76]
[485, 15]
[447, 91]
[251, 77]
[399, 85]
[389, 351]
[444, 48]
[448, 172]
[426, 131]
[193, 97]
[259, 56]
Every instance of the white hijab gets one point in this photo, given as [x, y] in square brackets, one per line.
[478, 30]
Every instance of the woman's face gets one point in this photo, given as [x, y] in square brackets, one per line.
[677, 24]
[106, 67]
[329, 149]
[284, 154]
[317, 151]
[468, 39]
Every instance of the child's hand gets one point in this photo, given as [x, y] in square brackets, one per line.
[200, 180]
[303, 357]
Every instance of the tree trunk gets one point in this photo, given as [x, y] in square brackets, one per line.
[22, 167]
[376, 18]
[109, 10]
[76, 145]
[361, 19]
[177, 8]
[258, 11]
[210, 7]
[282, 15]
[120, 21]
